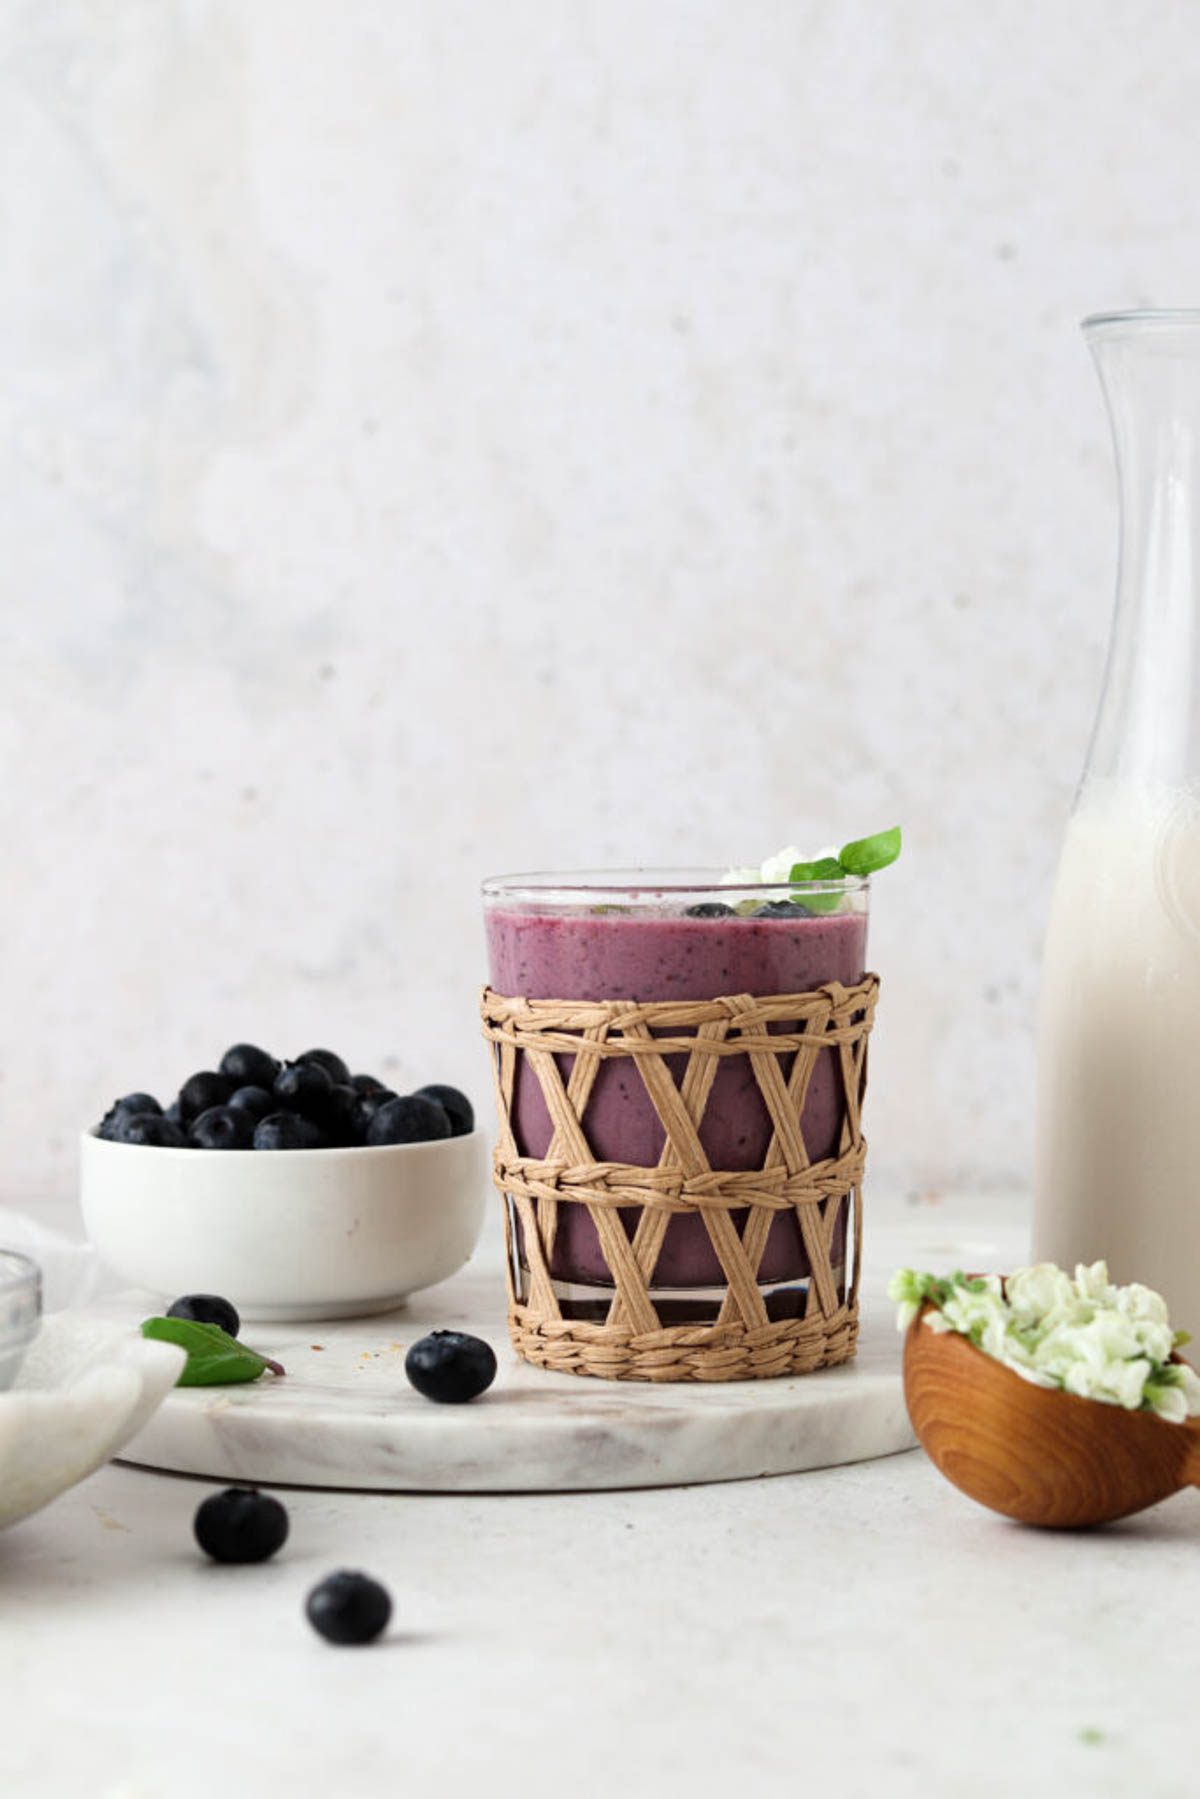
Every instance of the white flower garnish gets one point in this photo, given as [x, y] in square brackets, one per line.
[1084, 1335]
[775, 871]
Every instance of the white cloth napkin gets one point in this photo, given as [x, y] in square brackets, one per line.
[72, 1272]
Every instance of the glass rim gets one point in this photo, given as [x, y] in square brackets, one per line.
[1145, 318]
[660, 882]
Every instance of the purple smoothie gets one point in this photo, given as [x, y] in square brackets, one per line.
[654, 955]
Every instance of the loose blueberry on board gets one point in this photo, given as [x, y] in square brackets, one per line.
[150, 1128]
[207, 1308]
[248, 1066]
[222, 1127]
[200, 1091]
[333, 1065]
[240, 1525]
[709, 909]
[781, 909]
[456, 1106]
[286, 1130]
[348, 1607]
[305, 1086]
[451, 1367]
[409, 1119]
[255, 1102]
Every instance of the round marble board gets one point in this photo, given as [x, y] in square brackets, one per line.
[344, 1415]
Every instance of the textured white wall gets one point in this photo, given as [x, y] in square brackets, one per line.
[441, 438]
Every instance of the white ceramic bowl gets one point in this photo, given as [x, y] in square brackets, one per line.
[289, 1233]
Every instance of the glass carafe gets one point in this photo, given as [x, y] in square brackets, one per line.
[1118, 1140]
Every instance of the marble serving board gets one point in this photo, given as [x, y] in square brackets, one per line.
[344, 1414]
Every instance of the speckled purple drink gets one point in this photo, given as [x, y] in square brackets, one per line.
[633, 937]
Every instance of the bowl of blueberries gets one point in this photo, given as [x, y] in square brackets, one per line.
[309, 1191]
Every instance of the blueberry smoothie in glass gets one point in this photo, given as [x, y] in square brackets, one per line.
[645, 936]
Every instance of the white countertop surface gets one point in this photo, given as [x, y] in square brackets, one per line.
[860, 1629]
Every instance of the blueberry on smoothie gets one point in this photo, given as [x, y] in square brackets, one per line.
[451, 1367]
[286, 1130]
[240, 1525]
[456, 1106]
[207, 1308]
[348, 1607]
[248, 1066]
[333, 1065]
[709, 909]
[409, 1119]
[200, 1091]
[781, 909]
[222, 1127]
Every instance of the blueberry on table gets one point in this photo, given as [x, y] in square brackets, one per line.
[333, 1065]
[456, 1106]
[256, 1102]
[348, 1607]
[304, 1086]
[409, 1119]
[200, 1091]
[248, 1066]
[286, 1130]
[709, 909]
[451, 1367]
[149, 1127]
[207, 1308]
[222, 1127]
[781, 909]
[240, 1525]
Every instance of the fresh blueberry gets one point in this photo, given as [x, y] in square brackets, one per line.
[339, 1116]
[240, 1525]
[248, 1066]
[409, 1119]
[149, 1127]
[456, 1106]
[286, 1130]
[129, 1106]
[366, 1083]
[348, 1607]
[200, 1091]
[256, 1102]
[304, 1086]
[333, 1065]
[175, 1113]
[207, 1308]
[368, 1105]
[222, 1127]
[781, 909]
[451, 1367]
[709, 909]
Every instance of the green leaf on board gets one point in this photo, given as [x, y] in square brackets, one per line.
[214, 1358]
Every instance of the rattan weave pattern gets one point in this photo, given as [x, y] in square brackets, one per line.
[632, 1343]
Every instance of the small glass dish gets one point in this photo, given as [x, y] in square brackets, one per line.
[20, 1311]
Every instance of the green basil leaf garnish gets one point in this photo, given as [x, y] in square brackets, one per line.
[214, 1358]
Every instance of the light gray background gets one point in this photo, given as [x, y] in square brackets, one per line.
[446, 438]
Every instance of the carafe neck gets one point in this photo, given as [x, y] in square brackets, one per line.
[1148, 726]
